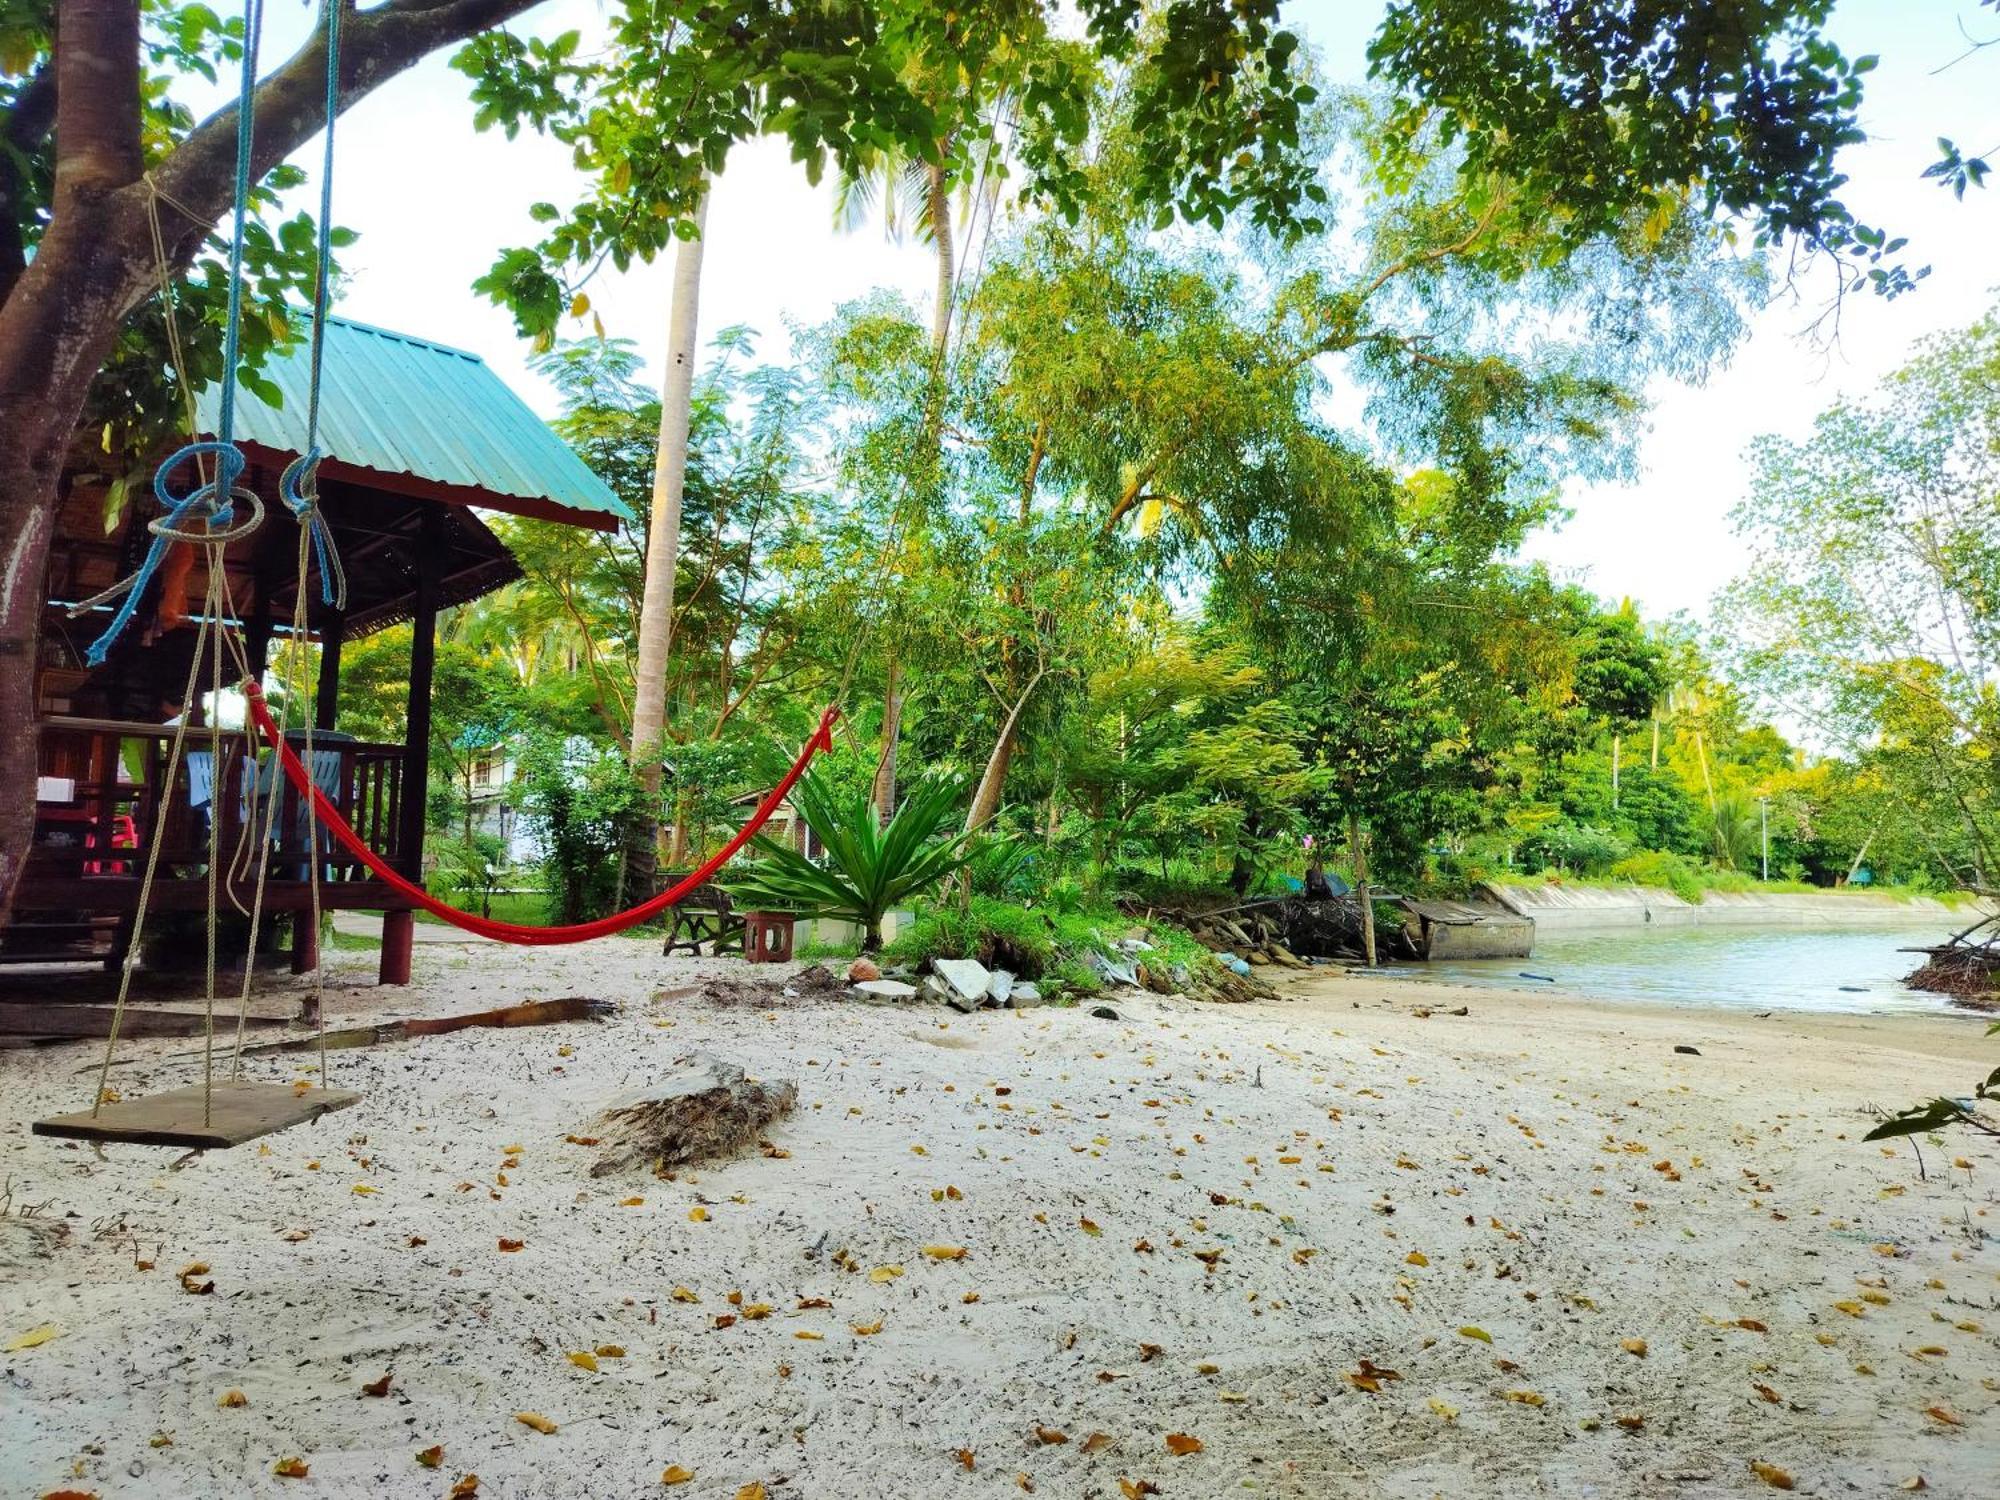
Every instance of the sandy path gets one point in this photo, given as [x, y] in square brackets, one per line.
[1192, 1221]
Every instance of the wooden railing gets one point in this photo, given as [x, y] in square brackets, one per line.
[115, 778]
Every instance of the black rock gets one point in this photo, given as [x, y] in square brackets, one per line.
[1688, 1051]
[1104, 1013]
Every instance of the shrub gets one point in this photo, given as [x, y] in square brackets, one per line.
[870, 869]
[999, 934]
[1579, 847]
[1656, 867]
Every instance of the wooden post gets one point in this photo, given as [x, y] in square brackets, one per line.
[326, 703]
[1617, 740]
[305, 945]
[417, 712]
[399, 927]
[398, 937]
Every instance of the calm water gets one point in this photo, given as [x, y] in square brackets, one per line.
[1778, 968]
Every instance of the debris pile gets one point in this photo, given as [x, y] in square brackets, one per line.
[1967, 968]
[704, 1108]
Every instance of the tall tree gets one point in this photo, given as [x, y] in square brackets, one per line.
[663, 523]
[1870, 608]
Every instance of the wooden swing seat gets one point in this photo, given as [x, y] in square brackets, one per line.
[241, 1112]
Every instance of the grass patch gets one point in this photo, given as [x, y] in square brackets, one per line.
[528, 907]
[1052, 947]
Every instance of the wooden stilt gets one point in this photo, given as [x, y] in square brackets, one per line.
[305, 943]
[398, 936]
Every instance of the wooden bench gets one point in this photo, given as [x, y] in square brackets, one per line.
[704, 915]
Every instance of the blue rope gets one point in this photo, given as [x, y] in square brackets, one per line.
[232, 339]
[211, 501]
[299, 486]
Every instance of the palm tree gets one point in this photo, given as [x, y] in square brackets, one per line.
[663, 530]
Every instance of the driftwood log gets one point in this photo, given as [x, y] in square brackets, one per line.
[704, 1108]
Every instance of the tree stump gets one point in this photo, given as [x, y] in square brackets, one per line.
[705, 1108]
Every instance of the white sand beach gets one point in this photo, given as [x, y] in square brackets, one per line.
[1345, 1250]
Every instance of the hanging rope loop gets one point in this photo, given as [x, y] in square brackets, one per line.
[298, 487]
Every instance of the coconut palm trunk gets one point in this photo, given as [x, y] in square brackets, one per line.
[663, 531]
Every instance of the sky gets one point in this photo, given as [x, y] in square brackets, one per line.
[433, 200]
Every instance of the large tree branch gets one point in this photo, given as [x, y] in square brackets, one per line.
[97, 99]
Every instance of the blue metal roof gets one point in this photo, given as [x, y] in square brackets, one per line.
[401, 405]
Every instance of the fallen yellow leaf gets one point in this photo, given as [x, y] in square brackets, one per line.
[468, 1484]
[1526, 1398]
[754, 1490]
[32, 1338]
[682, 1294]
[290, 1468]
[1481, 1334]
[885, 1273]
[697, 1215]
[1181, 1445]
[535, 1420]
[432, 1456]
[1416, 1258]
[232, 1398]
[1771, 1474]
[1633, 1346]
[583, 1359]
[945, 1252]
[675, 1474]
[864, 1329]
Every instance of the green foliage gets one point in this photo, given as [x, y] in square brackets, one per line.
[467, 872]
[1660, 870]
[1600, 109]
[1000, 934]
[581, 801]
[1575, 847]
[870, 868]
[651, 117]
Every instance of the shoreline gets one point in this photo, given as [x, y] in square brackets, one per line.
[1208, 1221]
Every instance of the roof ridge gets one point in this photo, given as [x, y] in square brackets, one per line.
[398, 335]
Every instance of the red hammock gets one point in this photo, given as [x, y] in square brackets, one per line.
[515, 932]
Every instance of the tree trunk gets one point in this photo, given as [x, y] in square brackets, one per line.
[62, 312]
[1362, 897]
[892, 728]
[663, 530]
[993, 782]
[939, 204]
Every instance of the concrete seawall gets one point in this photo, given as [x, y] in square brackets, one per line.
[1563, 907]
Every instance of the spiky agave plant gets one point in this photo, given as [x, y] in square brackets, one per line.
[869, 869]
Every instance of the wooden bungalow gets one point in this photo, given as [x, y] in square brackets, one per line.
[421, 438]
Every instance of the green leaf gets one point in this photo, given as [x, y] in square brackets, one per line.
[1918, 1119]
